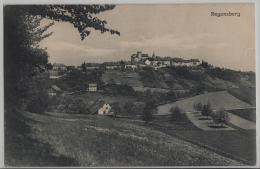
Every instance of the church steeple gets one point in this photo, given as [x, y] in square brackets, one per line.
[153, 54]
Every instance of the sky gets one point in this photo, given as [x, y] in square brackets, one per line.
[177, 30]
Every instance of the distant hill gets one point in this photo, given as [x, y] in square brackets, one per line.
[197, 79]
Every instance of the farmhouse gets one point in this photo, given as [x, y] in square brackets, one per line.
[131, 66]
[105, 110]
[54, 90]
[59, 67]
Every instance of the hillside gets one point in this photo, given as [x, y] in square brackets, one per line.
[103, 141]
[195, 79]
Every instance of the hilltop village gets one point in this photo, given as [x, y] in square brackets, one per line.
[138, 60]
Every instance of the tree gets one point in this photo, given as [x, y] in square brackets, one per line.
[116, 108]
[82, 17]
[176, 113]
[122, 65]
[36, 99]
[22, 33]
[204, 64]
[220, 117]
[206, 110]
[147, 112]
[83, 66]
[198, 106]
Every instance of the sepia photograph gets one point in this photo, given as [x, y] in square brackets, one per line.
[129, 85]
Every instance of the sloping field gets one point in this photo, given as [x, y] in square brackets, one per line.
[221, 99]
[249, 114]
[241, 122]
[245, 93]
[119, 77]
[220, 83]
[103, 141]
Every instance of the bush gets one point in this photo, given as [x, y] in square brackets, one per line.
[73, 105]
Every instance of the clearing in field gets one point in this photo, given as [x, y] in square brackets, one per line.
[220, 99]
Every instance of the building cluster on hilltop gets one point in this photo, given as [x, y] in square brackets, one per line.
[156, 62]
[138, 60]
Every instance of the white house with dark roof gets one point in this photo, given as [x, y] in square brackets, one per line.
[105, 110]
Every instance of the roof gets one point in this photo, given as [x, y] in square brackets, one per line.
[56, 88]
[95, 106]
[144, 55]
[111, 63]
[59, 65]
[92, 64]
[194, 60]
[92, 84]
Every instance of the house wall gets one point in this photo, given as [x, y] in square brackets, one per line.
[105, 109]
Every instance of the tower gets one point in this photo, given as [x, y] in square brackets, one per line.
[153, 56]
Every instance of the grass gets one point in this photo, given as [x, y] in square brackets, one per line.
[240, 145]
[22, 149]
[153, 79]
[103, 141]
[245, 93]
[249, 114]
[236, 143]
[119, 77]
